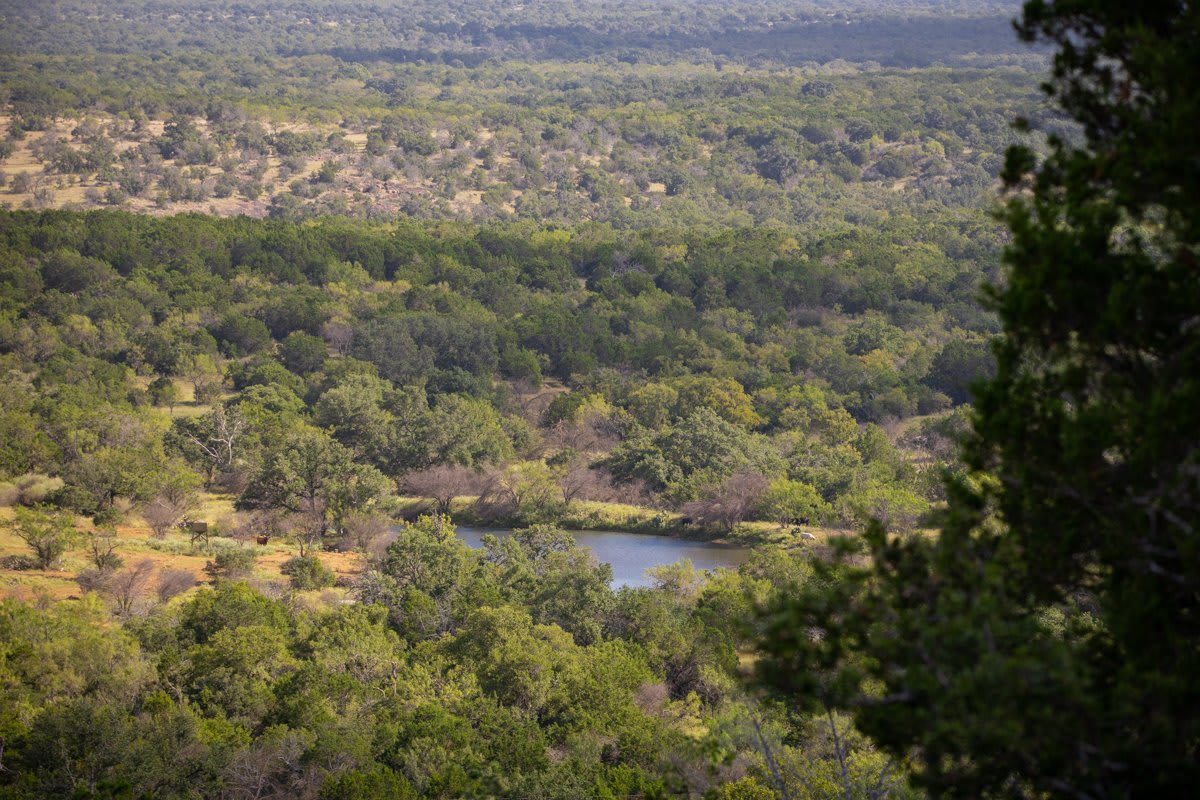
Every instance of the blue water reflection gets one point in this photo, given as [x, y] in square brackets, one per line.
[631, 554]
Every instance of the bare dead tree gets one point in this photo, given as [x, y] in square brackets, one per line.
[841, 754]
[530, 398]
[338, 336]
[595, 433]
[129, 584]
[778, 783]
[444, 482]
[508, 491]
[218, 443]
[581, 481]
[495, 498]
[634, 492]
[578, 481]
[162, 514]
[270, 768]
[729, 503]
[172, 582]
[652, 698]
[361, 531]
[306, 530]
[94, 580]
[102, 547]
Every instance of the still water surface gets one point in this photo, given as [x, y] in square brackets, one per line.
[631, 554]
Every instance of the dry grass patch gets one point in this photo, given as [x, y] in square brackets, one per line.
[168, 556]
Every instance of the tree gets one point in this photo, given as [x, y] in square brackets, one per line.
[306, 530]
[109, 473]
[467, 431]
[723, 396]
[521, 663]
[730, 502]
[212, 440]
[524, 492]
[1045, 643]
[652, 404]
[896, 506]
[792, 502]
[378, 781]
[681, 580]
[700, 450]
[364, 531]
[163, 392]
[428, 557]
[959, 364]
[126, 586]
[163, 514]
[355, 412]
[561, 583]
[303, 353]
[203, 371]
[443, 483]
[307, 572]
[314, 476]
[102, 547]
[241, 335]
[48, 533]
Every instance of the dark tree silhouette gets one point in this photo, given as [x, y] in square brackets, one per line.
[1046, 644]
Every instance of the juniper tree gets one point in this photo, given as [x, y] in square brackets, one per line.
[1048, 641]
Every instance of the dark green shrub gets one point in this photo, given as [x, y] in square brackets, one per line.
[231, 564]
[107, 516]
[18, 562]
[307, 572]
[378, 782]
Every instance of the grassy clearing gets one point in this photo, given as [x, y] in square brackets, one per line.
[214, 506]
[589, 515]
[173, 552]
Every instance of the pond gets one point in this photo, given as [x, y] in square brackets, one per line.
[631, 554]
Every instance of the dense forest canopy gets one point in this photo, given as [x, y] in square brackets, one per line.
[340, 119]
[657, 30]
[636, 147]
[785, 342]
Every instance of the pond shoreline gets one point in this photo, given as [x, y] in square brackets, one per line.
[631, 556]
[648, 521]
[620, 518]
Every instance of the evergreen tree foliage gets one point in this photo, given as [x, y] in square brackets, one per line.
[1046, 643]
